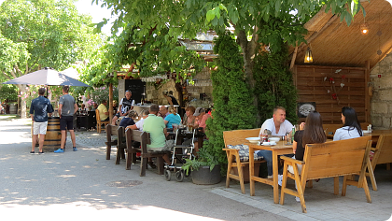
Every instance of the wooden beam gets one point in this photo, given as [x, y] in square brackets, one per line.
[367, 95]
[294, 57]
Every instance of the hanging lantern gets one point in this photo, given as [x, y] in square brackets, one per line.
[308, 56]
[364, 29]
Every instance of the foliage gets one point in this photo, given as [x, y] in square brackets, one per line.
[205, 159]
[8, 91]
[102, 93]
[274, 84]
[232, 96]
[42, 33]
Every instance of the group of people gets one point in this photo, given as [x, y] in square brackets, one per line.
[311, 131]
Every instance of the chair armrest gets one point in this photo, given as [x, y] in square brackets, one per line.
[291, 160]
[230, 150]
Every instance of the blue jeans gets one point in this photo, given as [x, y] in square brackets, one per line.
[267, 155]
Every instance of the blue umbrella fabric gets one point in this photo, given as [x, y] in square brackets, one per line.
[47, 76]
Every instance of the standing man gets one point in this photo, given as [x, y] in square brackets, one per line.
[126, 105]
[103, 111]
[67, 109]
[39, 109]
[279, 126]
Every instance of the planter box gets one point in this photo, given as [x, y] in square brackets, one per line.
[245, 171]
[204, 176]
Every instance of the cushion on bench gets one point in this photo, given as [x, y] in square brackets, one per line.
[243, 151]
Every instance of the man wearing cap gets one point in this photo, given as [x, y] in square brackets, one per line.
[201, 118]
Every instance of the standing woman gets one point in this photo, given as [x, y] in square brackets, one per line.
[351, 126]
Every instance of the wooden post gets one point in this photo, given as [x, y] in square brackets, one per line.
[110, 106]
[367, 97]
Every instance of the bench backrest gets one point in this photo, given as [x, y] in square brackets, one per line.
[383, 152]
[139, 136]
[235, 137]
[336, 158]
[330, 129]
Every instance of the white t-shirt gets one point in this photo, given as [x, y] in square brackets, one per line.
[343, 133]
[139, 124]
[269, 124]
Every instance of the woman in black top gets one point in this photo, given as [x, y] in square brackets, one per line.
[313, 133]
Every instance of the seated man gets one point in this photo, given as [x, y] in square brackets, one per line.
[163, 112]
[157, 129]
[279, 126]
[126, 105]
[103, 111]
[129, 120]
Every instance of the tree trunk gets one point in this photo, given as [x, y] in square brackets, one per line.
[22, 105]
[248, 51]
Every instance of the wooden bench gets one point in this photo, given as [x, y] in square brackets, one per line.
[331, 159]
[144, 139]
[235, 170]
[113, 132]
[382, 154]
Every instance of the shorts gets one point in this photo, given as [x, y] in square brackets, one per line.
[40, 127]
[117, 115]
[169, 144]
[66, 123]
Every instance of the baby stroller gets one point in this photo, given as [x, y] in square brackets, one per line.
[179, 154]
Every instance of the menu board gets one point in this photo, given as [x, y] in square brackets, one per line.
[137, 87]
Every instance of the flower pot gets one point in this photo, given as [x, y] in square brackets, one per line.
[204, 176]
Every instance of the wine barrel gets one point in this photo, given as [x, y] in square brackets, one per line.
[13, 109]
[53, 135]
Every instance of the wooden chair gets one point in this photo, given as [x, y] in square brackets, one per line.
[144, 139]
[382, 155]
[115, 132]
[331, 159]
[99, 122]
[234, 163]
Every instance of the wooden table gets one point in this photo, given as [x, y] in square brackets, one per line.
[277, 150]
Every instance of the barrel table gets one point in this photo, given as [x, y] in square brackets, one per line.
[53, 135]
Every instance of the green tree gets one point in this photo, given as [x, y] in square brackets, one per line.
[231, 95]
[48, 33]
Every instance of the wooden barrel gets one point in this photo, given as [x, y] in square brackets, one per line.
[13, 109]
[53, 135]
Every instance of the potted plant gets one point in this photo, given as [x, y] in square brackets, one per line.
[205, 169]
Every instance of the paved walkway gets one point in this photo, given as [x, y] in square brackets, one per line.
[83, 184]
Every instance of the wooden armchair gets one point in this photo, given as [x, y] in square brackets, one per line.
[382, 154]
[99, 122]
[331, 159]
[144, 139]
[234, 164]
[113, 132]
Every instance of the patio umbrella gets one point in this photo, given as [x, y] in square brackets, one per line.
[46, 76]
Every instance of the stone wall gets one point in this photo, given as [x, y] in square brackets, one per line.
[381, 101]
[202, 85]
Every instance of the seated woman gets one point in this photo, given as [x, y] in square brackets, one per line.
[172, 118]
[313, 133]
[189, 119]
[351, 126]
[130, 119]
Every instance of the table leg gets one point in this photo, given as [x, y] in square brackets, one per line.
[251, 171]
[275, 176]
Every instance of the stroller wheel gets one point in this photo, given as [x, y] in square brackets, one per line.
[167, 175]
[180, 175]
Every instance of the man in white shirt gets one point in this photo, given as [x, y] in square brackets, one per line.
[279, 126]
[139, 125]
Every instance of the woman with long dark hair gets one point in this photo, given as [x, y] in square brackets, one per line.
[351, 126]
[312, 133]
